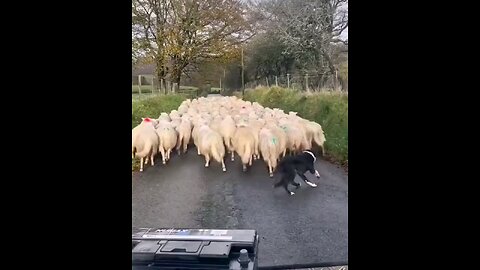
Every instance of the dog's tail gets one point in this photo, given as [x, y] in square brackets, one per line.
[285, 170]
[282, 166]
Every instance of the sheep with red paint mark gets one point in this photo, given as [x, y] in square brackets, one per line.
[145, 141]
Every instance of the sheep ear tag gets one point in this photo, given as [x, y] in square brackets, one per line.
[146, 119]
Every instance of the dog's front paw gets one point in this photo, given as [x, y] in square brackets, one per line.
[311, 184]
[292, 193]
[317, 174]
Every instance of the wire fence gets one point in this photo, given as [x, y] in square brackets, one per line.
[306, 82]
[146, 85]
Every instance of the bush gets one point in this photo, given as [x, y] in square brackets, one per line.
[326, 108]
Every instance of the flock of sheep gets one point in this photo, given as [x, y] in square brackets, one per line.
[219, 125]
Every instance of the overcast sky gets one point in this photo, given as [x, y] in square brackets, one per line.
[344, 34]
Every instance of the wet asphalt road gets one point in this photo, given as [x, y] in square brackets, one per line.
[309, 227]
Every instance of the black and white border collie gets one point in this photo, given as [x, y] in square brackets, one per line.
[298, 164]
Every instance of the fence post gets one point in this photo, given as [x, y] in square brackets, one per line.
[139, 84]
[276, 81]
[153, 86]
[288, 80]
[160, 87]
[266, 78]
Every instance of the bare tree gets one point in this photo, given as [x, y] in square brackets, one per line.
[149, 24]
[179, 33]
[205, 30]
[309, 28]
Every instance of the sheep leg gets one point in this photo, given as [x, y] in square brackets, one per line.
[233, 156]
[162, 151]
[168, 153]
[141, 164]
[151, 159]
[178, 150]
[185, 145]
[223, 166]
[270, 170]
[179, 144]
[207, 160]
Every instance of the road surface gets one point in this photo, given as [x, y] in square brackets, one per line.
[308, 227]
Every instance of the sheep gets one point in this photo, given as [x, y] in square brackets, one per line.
[255, 126]
[184, 130]
[268, 144]
[223, 111]
[243, 141]
[298, 123]
[197, 123]
[216, 123]
[168, 139]
[182, 109]
[244, 127]
[164, 117]
[211, 145]
[295, 136]
[186, 102]
[192, 111]
[315, 134]
[174, 115]
[145, 141]
[227, 130]
[282, 138]
[175, 122]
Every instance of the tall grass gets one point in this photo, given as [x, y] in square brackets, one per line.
[153, 106]
[329, 109]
